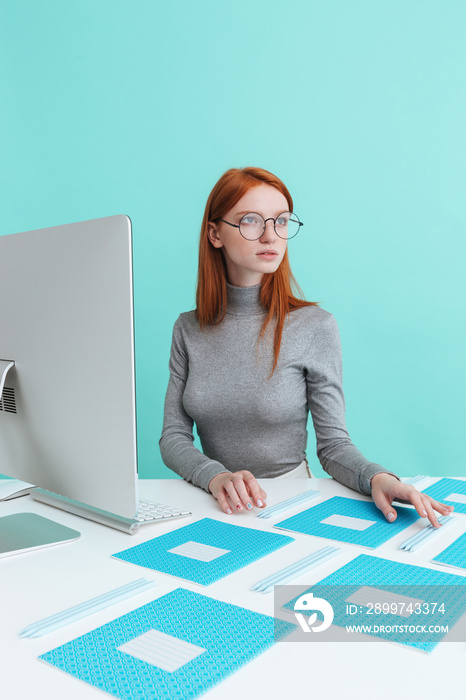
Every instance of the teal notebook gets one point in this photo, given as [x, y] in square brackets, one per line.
[204, 551]
[174, 648]
[349, 520]
[452, 492]
[454, 555]
[383, 579]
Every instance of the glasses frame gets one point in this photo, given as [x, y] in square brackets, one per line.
[288, 238]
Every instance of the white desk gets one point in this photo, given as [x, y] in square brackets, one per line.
[37, 584]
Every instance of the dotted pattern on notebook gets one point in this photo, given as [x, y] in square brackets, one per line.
[417, 582]
[231, 636]
[245, 545]
[454, 554]
[445, 487]
[309, 521]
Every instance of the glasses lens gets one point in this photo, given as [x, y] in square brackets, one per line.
[251, 226]
[287, 225]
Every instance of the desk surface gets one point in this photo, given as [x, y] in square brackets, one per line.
[37, 584]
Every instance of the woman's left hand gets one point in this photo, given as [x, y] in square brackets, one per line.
[385, 488]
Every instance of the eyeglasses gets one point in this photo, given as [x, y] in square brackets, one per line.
[252, 225]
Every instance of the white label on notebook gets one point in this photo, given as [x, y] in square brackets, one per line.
[397, 604]
[161, 650]
[196, 550]
[349, 522]
[456, 497]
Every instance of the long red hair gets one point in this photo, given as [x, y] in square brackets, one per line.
[276, 288]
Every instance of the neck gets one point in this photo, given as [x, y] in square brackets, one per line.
[244, 301]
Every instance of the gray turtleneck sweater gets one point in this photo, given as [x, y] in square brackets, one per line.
[219, 379]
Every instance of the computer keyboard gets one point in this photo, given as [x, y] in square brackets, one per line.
[149, 512]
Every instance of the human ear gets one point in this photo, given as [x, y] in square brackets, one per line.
[212, 234]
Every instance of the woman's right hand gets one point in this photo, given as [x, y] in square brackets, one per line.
[237, 490]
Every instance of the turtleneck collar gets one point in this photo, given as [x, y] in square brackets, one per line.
[244, 301]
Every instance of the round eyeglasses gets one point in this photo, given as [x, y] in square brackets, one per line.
[252, 225]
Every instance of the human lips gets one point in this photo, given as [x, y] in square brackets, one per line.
[267, 253]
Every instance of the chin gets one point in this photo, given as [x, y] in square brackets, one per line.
[270, 265]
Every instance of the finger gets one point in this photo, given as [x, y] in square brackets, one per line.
[240, 487]
[250, 480]
[431, 514]
[441, 507]
[383, 503]
[263, 495]
[423, 505]
[251, 494]
[262, 492]
[419, 501]
[230, 488]
[222, 500]
[257, 494]
[231, 505]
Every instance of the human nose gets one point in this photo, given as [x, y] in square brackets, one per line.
[269, 231]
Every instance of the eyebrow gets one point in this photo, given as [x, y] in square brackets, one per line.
[251, 211]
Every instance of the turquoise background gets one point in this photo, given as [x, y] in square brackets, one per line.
[138, 107]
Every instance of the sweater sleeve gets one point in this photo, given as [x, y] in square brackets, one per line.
[337, 454]
[176, 443]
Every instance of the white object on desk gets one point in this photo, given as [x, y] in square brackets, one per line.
[89, 607]
[456, 498]
[414, 479]
[199, 551]
[414, 542]
[290, 503]
[297, 569]
[348, 521]
[163, 650]
[13, 488]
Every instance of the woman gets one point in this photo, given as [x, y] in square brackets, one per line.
[250, 362]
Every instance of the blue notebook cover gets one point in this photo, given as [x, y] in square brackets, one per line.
[176, 647]
[385, 575]
[444, 488]
[377, 528]
[454, 554]
[205, 551]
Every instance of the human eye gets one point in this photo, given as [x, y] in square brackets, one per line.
[250, 219]
[283, 219]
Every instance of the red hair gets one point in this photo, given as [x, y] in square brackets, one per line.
[277, 287]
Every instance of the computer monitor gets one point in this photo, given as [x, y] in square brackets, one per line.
[67, 373]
